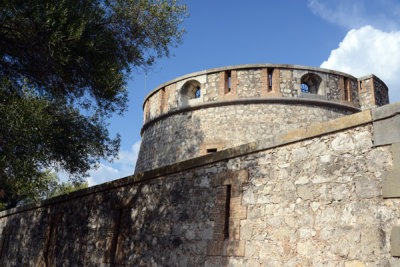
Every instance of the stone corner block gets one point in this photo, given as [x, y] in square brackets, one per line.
[386, 111]
[391, 184]
[396, 155]
[395, 241]
[387, 131]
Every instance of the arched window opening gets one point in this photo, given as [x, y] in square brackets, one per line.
[191, 90]
[310, 83]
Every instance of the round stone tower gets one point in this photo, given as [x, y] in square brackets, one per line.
[207, 111]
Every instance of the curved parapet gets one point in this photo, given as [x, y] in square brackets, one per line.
[210, 110]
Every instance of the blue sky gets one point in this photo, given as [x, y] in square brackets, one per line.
[359, 37]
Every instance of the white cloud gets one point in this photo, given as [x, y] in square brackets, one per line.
[121, 167]
[382, 14]
[369, 51]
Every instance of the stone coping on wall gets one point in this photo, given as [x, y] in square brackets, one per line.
[245, 66]
[372, 76]
[311, 131]
[247, 101]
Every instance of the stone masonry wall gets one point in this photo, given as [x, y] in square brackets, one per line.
[190, 134]
[313, 202]
[173, 130]
[381, 93]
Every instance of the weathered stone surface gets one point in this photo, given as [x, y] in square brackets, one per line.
[395, 241]
[391, 183]
[354, 264]
[262, 100]
[304, 211]
[387, 131]
[304, 192]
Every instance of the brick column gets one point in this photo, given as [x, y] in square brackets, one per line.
[223, 85]
[147, 111]
[227, 213]
[163, 99]
[341, 88]
[275, 90]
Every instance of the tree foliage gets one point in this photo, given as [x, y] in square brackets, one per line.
[46, 186]
[64, 65]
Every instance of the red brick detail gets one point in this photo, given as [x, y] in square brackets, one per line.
[147, 110]
[223, 85]
[229, 244]
[347, 87]
[341, 87]
[274, 90]
[264, 82]
[161, 99]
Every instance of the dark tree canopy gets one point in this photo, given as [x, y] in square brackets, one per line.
[73, 49]
[64, 65]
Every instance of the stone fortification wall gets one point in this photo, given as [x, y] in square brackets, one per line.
[214, 109]
[311, 197]
[249, 81]
[196, 132]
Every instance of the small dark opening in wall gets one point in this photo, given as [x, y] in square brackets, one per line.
[229, 81]
[346, 89]
[211, 150]
[269, 79]
[360, 84]
[227, 211]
